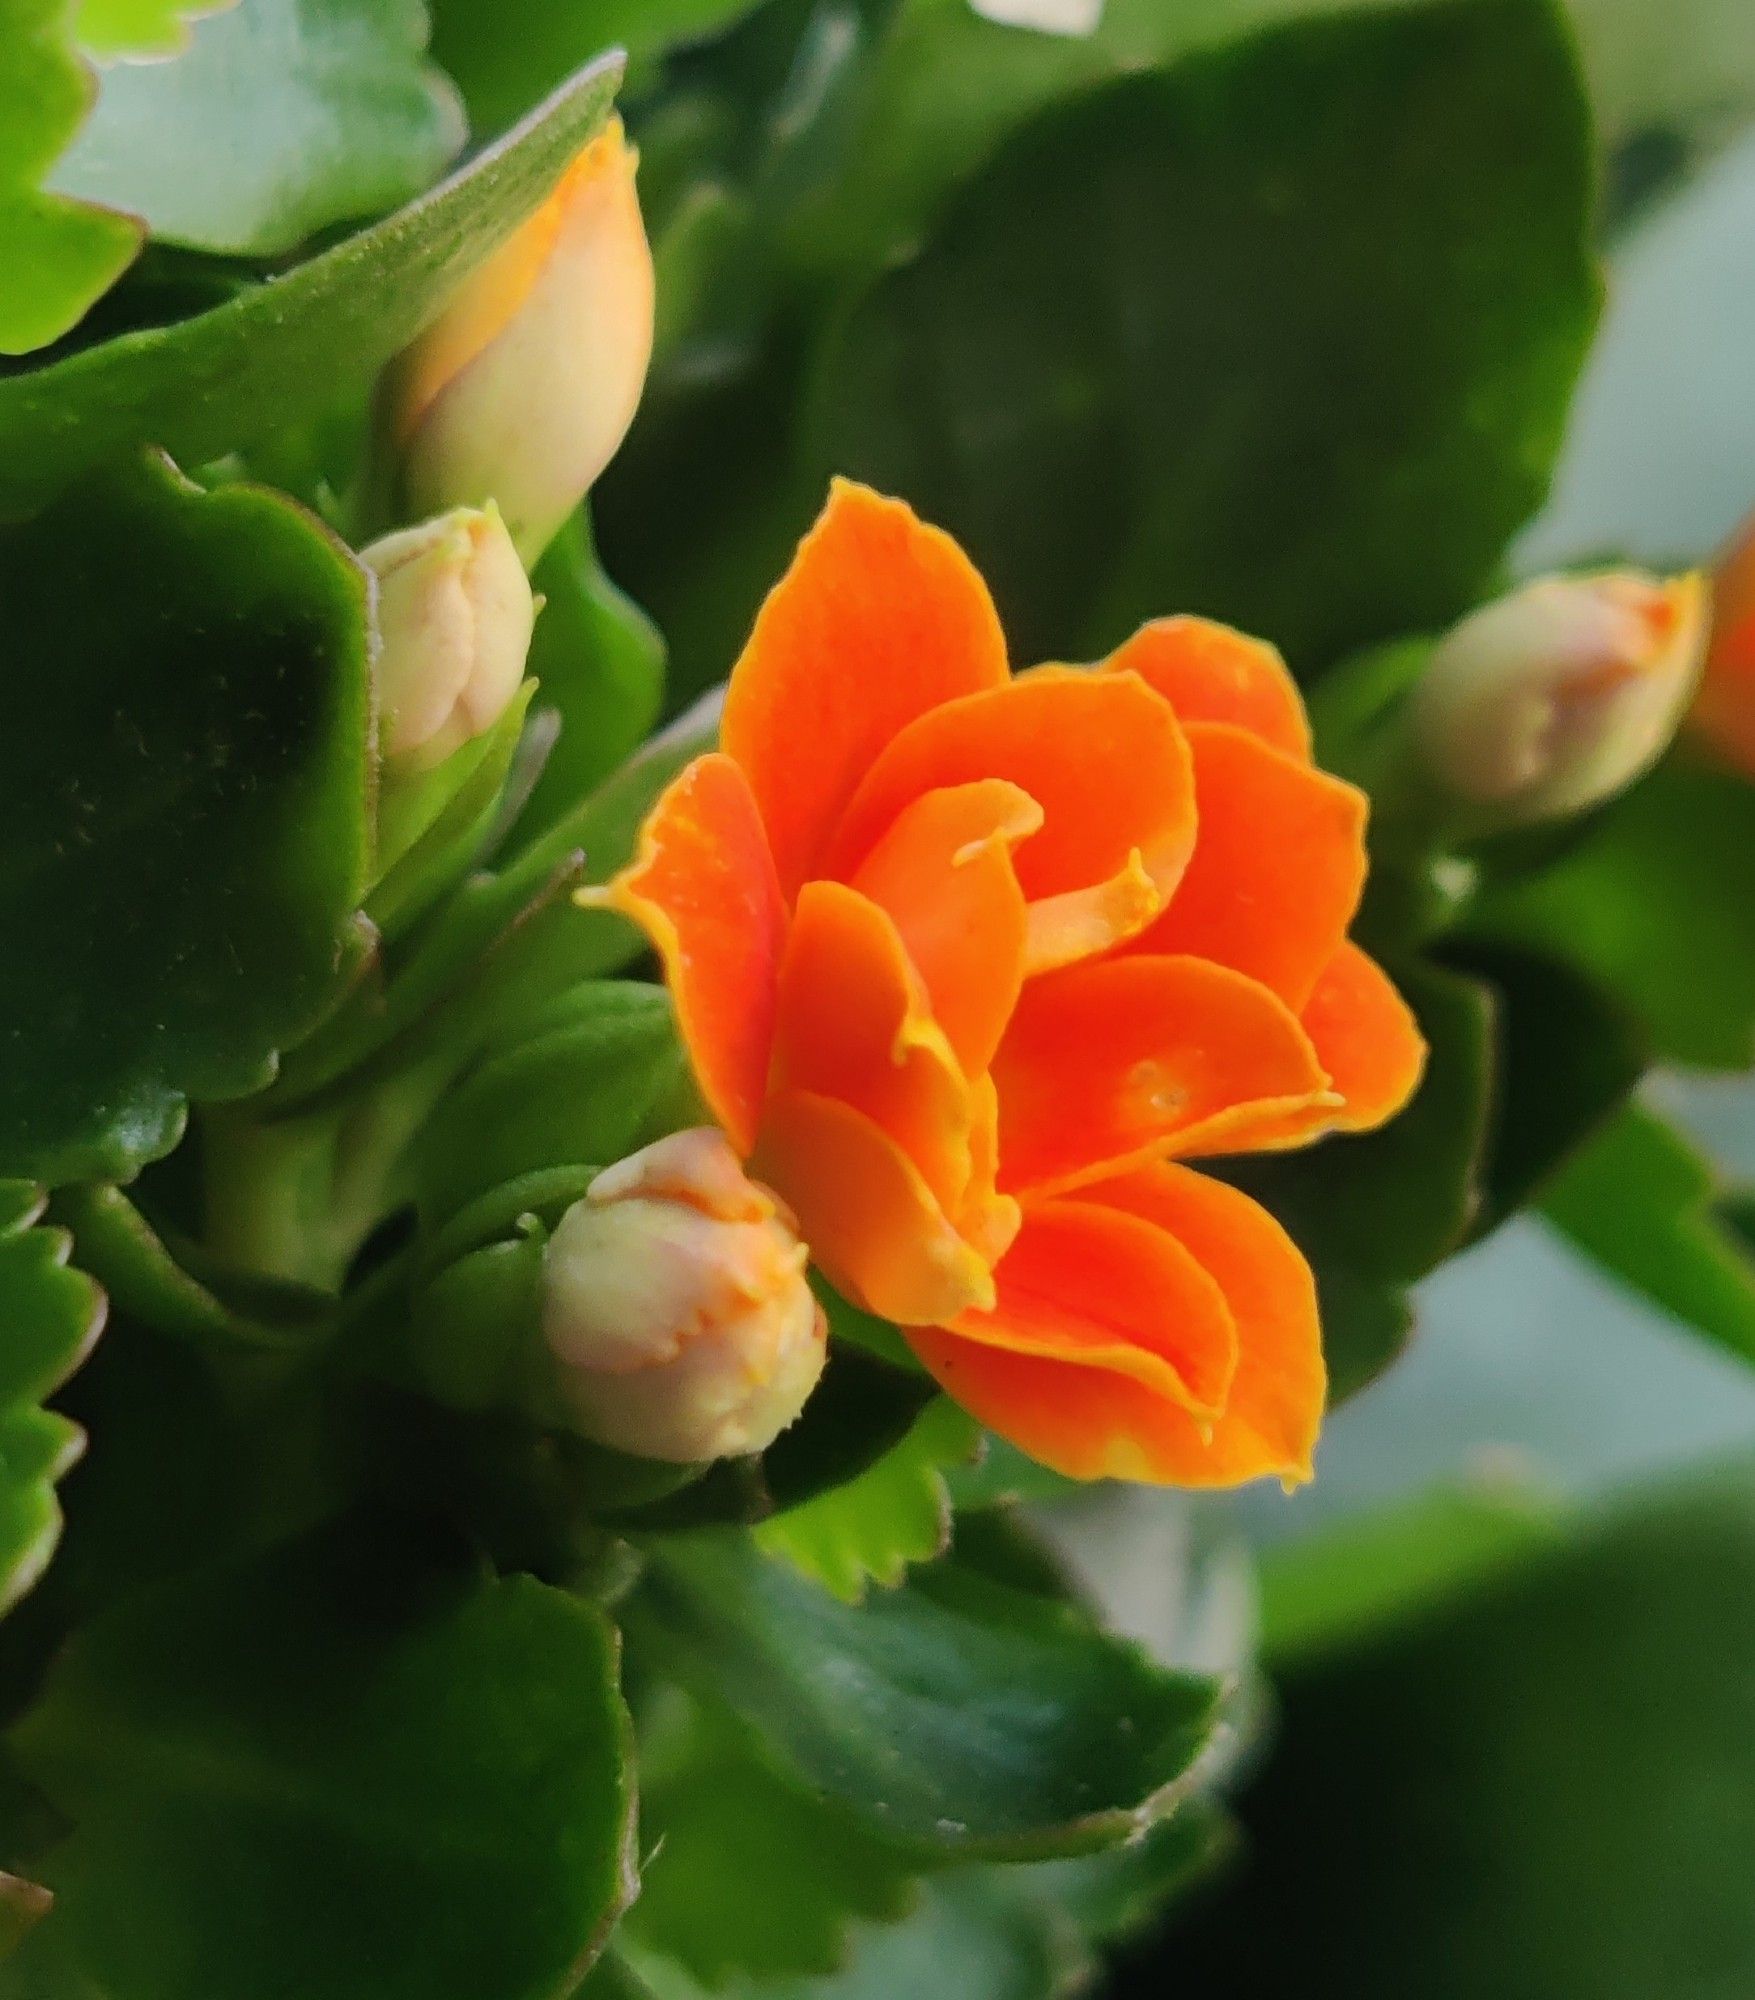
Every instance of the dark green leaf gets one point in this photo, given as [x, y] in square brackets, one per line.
[283, 350]
[183, 799]
[49, 1317]
[1653, 902]
[342, 1772]
[1639, 1202]
[600, 660]
[58, 254]
[507, 55]
[1284, 334]
[280, 118]
[1373, 1214]
[952, 1716]
[1546, 1788]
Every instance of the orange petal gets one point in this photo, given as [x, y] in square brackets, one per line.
[867, 1213]
[879, 620]
[853, 1023]
[1271, 1418]
[1210, 673]
[944, 873]
[1106, 760]
[1109, 1290]
[1278, 865]
[1109, 1064]
[986, 1218]
[1367, 1038]
[702, 888]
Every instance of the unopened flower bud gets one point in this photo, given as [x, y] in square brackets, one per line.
[522, 389]
[454, 622]
[1554, 698]
[1724, 710]
[676, 1305]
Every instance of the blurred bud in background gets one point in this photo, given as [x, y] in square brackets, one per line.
[1552, 699]
[455, 616]
[522, 389]
[676, 1306]
[1724, 711]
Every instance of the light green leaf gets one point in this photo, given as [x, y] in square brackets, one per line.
[344, 1771]
[893, 1515]
[1284, 334]
[1639, 1201]
[58, 254]
[49, 1317]
[953, 1716]
[281, 351]
[139, 27]
[280, 118]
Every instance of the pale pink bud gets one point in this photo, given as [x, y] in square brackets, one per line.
[454, 622]
[677, 1307]
[1553, 698]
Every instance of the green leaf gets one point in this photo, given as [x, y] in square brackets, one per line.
[183, 795]
[952, 1716]
[600, 661]
[805, 1872]
[49, 1317]
[343, 1771]
[280, 118]
[281, 351]
[891, 1516]
[1374, 1214]
[582, 1089]
[1284, 334]
[1639, 1201]
[1546, 1787]
[139, 27]
[1653, 902]
[506, 56]
[58, 254]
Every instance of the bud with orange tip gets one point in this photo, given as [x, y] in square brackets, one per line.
[1724, 710]
[1553, 698]
[676, 1307]
[523, 388]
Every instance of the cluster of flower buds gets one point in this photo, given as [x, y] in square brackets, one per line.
[676, 1306]
[1552, 699]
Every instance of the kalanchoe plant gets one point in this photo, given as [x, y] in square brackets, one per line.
[598, 1185]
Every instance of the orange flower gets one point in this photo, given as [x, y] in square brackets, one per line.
[1724, 709]
[970, 964]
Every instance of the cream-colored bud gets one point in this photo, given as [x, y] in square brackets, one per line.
[454, 622]
[676, 1305]
[1554, 698]
[523, 388]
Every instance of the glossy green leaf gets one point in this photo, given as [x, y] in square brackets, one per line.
[600, 662]
[58, 254]
[183, 795]
[280, 118]
[139, 27]
[1284, 334]
[506, 55]
[1653, 901]
[283, 350]
[1546, 1787]
[805, 1871]
[343, 1771]
[1373, 1214]
[1639, 1202]
[49, 1316]
[879, 1524]
[580, 1089]
[952, 1716]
